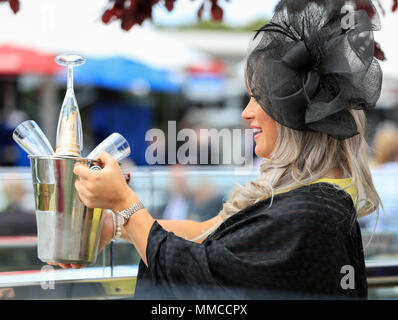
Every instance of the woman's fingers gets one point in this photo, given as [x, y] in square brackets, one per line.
[103, 188]
[82, 171]
[106, 158]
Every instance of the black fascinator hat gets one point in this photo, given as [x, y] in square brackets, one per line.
[313, 62]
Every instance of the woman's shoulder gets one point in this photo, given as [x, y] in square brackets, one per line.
[317, 203]
[322, 197]
[311, 204]
[307, 194]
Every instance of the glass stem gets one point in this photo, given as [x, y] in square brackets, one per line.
[70, 99]
[70, 78]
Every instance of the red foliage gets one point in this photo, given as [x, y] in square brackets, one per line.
[365, 6]
[14, 5]
[169, 4]
[378, 53]
[395, 6]
[200, 11]
[106, 17]
[132, 12]
[216, 12]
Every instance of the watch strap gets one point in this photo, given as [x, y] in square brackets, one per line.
[127, 213]
[117, 230]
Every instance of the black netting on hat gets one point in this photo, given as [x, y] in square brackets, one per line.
[313, 62]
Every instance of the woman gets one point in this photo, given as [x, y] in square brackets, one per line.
[293, 231]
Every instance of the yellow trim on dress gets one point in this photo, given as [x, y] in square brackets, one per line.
[342, 183]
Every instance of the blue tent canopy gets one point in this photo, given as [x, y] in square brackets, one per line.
[120, 73]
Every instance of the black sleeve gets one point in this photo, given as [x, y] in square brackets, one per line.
[296, 248]
[179, 268]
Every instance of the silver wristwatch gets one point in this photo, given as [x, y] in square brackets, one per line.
[123, 217]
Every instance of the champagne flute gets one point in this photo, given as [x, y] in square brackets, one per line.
[115, 144]
[31, 138]
[69, 140]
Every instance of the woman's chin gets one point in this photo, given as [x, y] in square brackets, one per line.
[261, 153]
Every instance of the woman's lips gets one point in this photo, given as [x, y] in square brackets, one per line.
[257, 133]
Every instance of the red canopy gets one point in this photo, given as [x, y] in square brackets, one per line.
[215, 67]
[16, 60]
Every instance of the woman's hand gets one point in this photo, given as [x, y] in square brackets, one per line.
[106, 188]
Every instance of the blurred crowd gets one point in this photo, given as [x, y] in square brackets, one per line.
[201, 199]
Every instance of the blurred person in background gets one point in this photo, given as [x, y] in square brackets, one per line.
[198, 203]
[7, 293]
[290, 233]
[178, 195]
[14, 193]
[385, 147]
[385, 176]
[16, 217]
[205, 203]
[10, 154]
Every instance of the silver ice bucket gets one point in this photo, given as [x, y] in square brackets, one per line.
[67, 231]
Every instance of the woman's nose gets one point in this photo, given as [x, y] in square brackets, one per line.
[248, 112]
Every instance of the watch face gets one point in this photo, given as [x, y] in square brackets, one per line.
[120, 220]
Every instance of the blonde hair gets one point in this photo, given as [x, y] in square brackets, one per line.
[302, 157]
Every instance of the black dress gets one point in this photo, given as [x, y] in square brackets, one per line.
[296, 248]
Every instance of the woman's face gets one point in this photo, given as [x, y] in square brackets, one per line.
[265, 130]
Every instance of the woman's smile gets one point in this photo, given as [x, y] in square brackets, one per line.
[257, 132]
[264, 128]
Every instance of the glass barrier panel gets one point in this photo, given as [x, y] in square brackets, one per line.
[171, 193]
[19, 262]
[380, 231]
